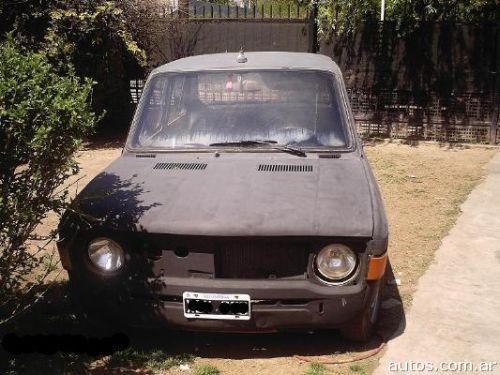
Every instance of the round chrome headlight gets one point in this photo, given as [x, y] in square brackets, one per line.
[336, 262]
[106, 254]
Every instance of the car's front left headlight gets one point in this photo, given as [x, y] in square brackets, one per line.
[336, 262]
[106, 254]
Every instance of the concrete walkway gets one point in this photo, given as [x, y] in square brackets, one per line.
[455, 316]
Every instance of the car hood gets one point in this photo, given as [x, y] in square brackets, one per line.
[232, 196]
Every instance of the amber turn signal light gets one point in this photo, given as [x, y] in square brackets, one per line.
[376, 267]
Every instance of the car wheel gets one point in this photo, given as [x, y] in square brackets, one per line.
[361, 328]
[89, 322]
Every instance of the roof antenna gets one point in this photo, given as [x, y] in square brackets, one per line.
[241, 56]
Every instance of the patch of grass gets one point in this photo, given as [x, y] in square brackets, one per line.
[155, 360]
[205, 369]
[315, 369]
[57, 364]
[463, 191]
[357, 368]
[159, 361]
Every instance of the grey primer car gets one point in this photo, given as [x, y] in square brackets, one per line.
[243, 201]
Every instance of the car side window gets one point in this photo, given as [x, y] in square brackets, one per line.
[175, 97]
[151, 117]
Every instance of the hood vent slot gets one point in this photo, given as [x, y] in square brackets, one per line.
[284, 168]
[152, 156]
[182, 166]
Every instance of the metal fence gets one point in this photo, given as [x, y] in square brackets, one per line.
[399, 114]
[267, 11]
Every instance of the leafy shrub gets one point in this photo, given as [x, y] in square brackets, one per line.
[92, 36]
[43, 118]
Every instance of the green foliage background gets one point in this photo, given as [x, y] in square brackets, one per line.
[61, 62]
[92, 37]
[343, 16]
[43, 119]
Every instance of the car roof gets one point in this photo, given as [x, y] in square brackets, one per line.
[255, 61]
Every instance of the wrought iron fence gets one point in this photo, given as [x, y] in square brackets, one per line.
[265, 10]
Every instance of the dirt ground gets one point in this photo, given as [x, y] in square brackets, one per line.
[454, 311]
[422, 185]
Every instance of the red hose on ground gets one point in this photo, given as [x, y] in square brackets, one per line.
[365, 355]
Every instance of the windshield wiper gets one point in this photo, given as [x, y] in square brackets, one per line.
[244, 143]
[271, 143]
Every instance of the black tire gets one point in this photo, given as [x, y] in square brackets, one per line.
[89, 323]
[361, 328]
[87, 288]
[92, 292]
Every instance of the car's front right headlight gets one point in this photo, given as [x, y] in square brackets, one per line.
[106, 255]
[336, 262]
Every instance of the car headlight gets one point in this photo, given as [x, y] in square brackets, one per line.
[106, 254]
[336, 262]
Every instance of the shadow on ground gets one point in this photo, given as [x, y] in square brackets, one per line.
[55, 316]
[103, 141]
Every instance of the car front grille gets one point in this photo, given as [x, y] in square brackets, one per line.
[235, 257]
[261, 260]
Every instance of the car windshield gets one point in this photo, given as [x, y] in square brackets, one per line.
[210, 109]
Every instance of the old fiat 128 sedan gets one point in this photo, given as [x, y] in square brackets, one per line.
[242, 201]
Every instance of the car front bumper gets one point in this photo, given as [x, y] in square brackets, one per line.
[276, 304]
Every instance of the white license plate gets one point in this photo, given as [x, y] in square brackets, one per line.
[216, 306]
